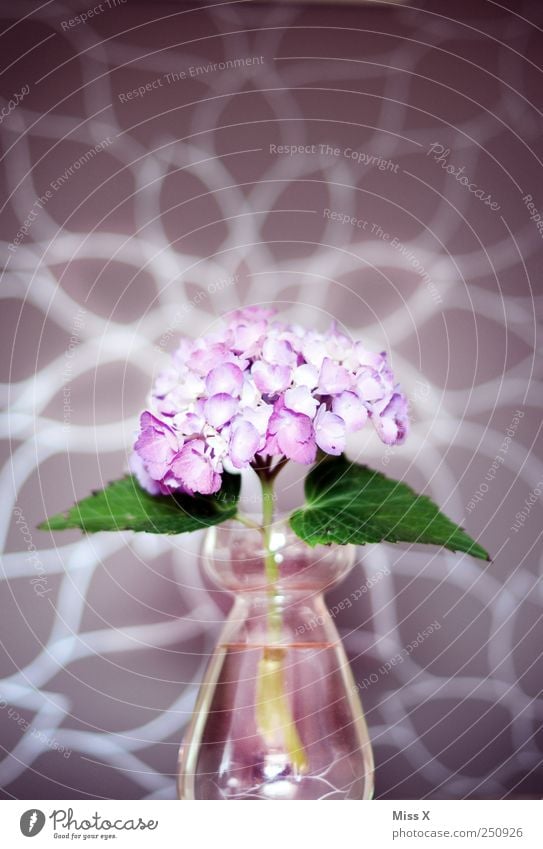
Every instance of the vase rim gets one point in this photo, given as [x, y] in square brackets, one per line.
[280, 524]
[235, 558]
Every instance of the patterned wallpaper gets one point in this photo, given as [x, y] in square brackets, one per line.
[164, 163]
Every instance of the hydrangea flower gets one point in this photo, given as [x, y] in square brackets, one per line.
[261, 388]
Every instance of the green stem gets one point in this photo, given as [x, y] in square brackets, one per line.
[244, 520]
[273, 712]
[270, 565]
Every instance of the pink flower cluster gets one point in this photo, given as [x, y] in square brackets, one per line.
[260, 387]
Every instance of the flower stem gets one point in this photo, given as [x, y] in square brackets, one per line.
[273, 712]
[244, 520]
[270, 565]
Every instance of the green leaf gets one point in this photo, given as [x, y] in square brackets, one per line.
[349, 503]
[124, 505]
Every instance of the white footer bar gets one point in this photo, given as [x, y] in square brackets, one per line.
[312, 825]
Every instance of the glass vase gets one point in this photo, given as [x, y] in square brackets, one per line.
[278, 715]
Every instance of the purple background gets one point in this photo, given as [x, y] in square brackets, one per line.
[185, 213]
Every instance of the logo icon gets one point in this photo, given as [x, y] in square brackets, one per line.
[32, 822]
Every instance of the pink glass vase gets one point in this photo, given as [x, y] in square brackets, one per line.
[278, 715]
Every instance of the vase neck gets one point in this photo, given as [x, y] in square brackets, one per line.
[237, 560]
[304, 619]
